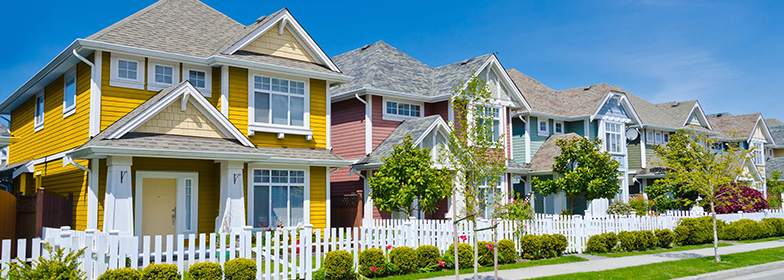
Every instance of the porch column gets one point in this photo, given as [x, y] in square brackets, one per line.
[92, 194]
[118, 203]
[232, 200]
[368, 203]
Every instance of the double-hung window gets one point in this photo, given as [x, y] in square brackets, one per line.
[278, 198]
[278, 101]
[401, 109]
[613, 137]
[759, 152]
[69, 92]
[491, 196]
[558, 128]
[491, 114]
[39, 111]
[543, 128]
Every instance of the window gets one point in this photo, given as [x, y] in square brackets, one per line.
[278, 198]
[69, 92]
[558, 128]
[613, 137]
[279, 101]
[666, 137]
[489, 194]
[197, 78]
[543, 128]
[39, 111]
[494, 114]
[188, 204]
[759, 152]
[394, 108]
[658, 138]
[200, 77]
[649, 137]
[163, 74]
[127, 70]
[716, 147]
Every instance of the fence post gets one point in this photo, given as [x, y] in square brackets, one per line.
[87, 258]
[308, 237]
[409, 228]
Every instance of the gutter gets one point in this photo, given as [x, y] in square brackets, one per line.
[101, 152]
[552, 116]
[413, 97]
[670, 129]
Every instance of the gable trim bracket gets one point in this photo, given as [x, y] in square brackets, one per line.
[624, 102]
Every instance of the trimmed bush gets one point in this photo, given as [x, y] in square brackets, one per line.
[561, 242]
[741, 199]
[744, 229]
[618, 207]
[696, 231]
[59, 265]
[205, 271]
[465, 255]
[629, 241]
[161, 272]
[664, 237]
[485, 253]
[371, 259]
[529, 246]
[552, 245]
[338, 265]
[428, 256]
[777, 223]
[647, 240]
[610, 240]
[506, 251]
[319, 274]
[240, 269]
[596, 244]
[404, 258]
[766, 229]
[121, 274]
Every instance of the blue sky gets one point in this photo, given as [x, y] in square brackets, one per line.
[727, 54]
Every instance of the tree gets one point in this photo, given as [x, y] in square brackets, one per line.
[775, 188]
[474, 153]
[583, 171]
[408, 181]
[691, 165]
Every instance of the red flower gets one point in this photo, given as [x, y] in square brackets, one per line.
[297, 247]
[441, 263]
[373, 268]
[463, 237]
[389, 247]
[489, 245]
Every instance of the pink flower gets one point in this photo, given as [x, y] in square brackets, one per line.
[389, 247]
[441, 263]
[514, 200]
[463, 237]
[490, 245]
[373, 268]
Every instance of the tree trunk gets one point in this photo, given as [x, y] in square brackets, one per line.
[476, 251]
[454, 228]
[715, 234]
[571, 205]
[495, 248]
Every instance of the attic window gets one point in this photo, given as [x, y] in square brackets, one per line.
[543, 127]
[162, 75]
[127, 71]
[200, 77]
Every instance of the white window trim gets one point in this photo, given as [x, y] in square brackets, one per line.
[179, 227]
[116, 81]
[251, 189]
[539, 130]
[253, 126]
[155, 86]
[650, 138]
[555, 131]
[758, 153]
[400, 118]
[603, 134]
[206, 91]
[658, 137]
[69, 110]
[38, 125]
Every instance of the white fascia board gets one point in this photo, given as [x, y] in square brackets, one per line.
[367, 166]
[388, 93]
[442, 126]
[309, 162]
[333, 77]
[115, 48]
[553, 116]
[765, 129]
[102, 152]
[625, 103]
[698, 108]
[671, 129]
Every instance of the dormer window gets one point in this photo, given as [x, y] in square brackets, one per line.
[127, 71]
[162, 74]
[543, 128]
[200, 78]
[558, 128]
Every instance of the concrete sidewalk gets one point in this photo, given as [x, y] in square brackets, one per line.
[599, 264]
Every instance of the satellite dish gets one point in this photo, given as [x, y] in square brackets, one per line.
[632, 134]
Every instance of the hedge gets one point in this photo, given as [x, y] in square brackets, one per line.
[372, 263]
[121, 274]
[664, 237]
[161, 272]
[339, 265]
[544, 246]
[428, 256]
[465, 254]
[205, 271]
[506, 251]
[240, 269]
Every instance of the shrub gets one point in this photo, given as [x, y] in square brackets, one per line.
[766, 229]
[404, 258]
[319, 274]
[205, 271]
[696, 231]
[741, 199]
[560, 244]
[629, 241]
[640, 205]
[777, 223]
[338, 265]
[485, 253]
[240, 269]
[465, 254]
[370, 259]
[428, 256]
[646, 240]
[618, 207]
[552, 245]
[121, 274]
[506, 251]
[744, 229]
[529, 246]
[664, 237]
[161, 272]
[610, 240]
[58, 266]
[596, 244]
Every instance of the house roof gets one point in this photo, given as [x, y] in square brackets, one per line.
[414, 127]
[383, 67]
[774, 164]
[774, 122]
[777, 132]
[727, 124]
[544, 158]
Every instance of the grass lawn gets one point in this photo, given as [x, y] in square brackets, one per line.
[565, 259]
[761, 240]
[681, 248]
[682, 268]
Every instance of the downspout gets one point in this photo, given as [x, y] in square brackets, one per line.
[356, 95]
[94, 89]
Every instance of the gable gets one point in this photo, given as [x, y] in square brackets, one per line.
[613, 107]
[694, 120]
[173, 120]
[497, 88]
[282, 44]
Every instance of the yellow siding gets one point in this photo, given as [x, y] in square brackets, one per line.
[58, 134]
[778, 152]
[209, 183]
[758, 132]
[238, 98]
[283, 45]
[216, 87]
[318, 196]
[63, 180]
[118, 101]
[172, 120]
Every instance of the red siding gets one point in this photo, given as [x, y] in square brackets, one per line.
[381, 127]
[438, 108]
[348, 141]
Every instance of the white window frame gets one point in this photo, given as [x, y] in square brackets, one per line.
[69, 110]
[555, 127]
[759, 152]
[206, 91]
[501, 124]
[252, 188]
[181, 177]
[395, 117]
[546, 131]
[665, 137]
[499, 189]
[254, 126]
[621, 139]
[658, 139]
[715, 149]
[649, 138]
[152, 85]
[38, 122]
[116, 81]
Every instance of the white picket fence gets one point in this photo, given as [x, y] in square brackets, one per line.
[296, 253]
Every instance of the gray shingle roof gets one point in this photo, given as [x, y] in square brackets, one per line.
[670, 114]
[543, 160]
[381, 66]
[413, 127]
[774, 164]
[778, 133]
[4, 130]
[773, 122]
[726, 125]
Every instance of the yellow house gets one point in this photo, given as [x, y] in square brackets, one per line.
[178, 119]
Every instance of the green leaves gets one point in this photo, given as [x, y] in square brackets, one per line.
[406, 176]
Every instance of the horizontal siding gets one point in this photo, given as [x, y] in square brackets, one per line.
[116, 102]
[437, 108]
[634, 153]
[381, 128]
[58, 134]
[64, 180]
[518, 140]
[577, 127]
[318, 197]
[536, 140]
[348, 128]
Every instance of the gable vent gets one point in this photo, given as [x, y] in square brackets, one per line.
[261, 19]
[587, 88]
[365, 47]
[466, 62]
[675, 103]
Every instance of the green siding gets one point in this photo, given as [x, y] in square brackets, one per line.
[649, 153]
[577, 127]
[635, 158]
[518, 140]
[536, 140]
[593, 127]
